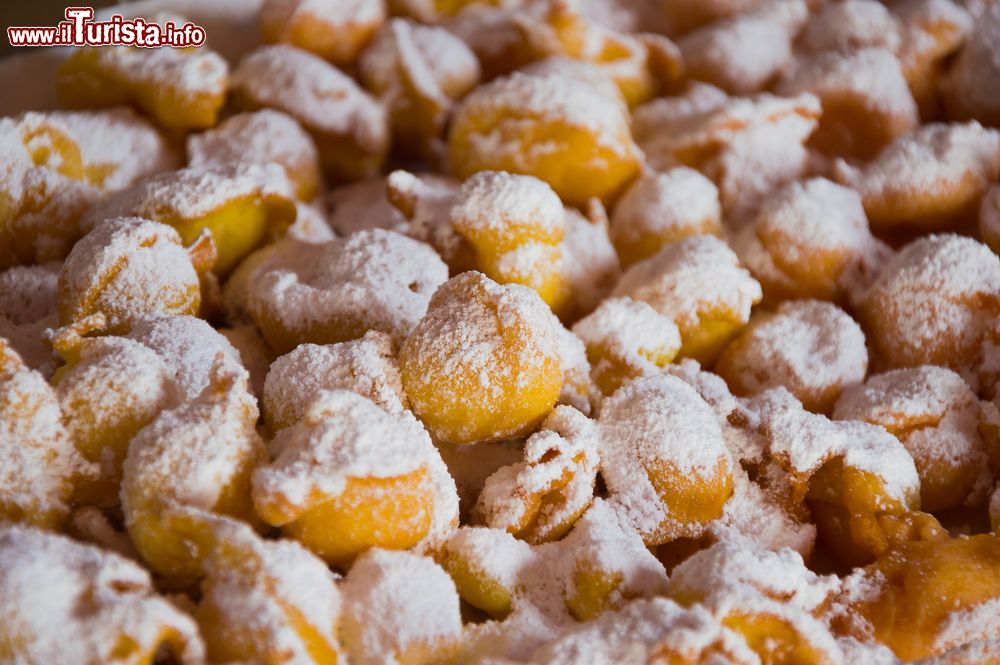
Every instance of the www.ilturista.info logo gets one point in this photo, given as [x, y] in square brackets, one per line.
[79, 29]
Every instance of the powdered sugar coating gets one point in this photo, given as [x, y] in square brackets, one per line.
[128, 269]
[696, 276]
[590, 262]
[933, 303]
[64, 601]
[812, 348]
[658, 425]
[398, 607]
[41, 464]
[28, 293]
[258, 138]
[371, 280]
[367, 366]
[929, 179]
[968, 88]
[363, 205]
[191, 193]
[851, 25]
[742, 54]
[190, 347]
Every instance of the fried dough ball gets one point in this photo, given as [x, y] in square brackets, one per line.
[65, 602]
[367, 366]
[699, 284]
[515, 225]
[933, 179]
[590, 262]
[744, 53]
[181, 89]
[924, 598]
[349, 127]
[190, 347]
[425, 204]
[41, 466]
[350, 476]
[332, 29]
[969, 89]
[399, 609]
[555, 128]
[931, 30]
[811, 240]
[747, 146]
[199, 454]
[258, 138]
[851, 25]
[626, 339]
[262, 601]
[129, 269]
[685, 15]
[241, 205]
[866, 101]
[108, 390]
[418, 72]
[663, 458]
[989, 219]
[936, 416]
[56, 164]
[661, 208]
[487, 566]
[767, 597]
[483, 364]
[812, 348]
[338, 291]
[934, 303]
[363, 205]
[539, 498]
[28, 296]
[860, 483]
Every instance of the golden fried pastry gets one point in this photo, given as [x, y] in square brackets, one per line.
[931, 32]
[190, 347]
[65, 602]
[41, 465]
[539, 498]
[487, 566]
[933, 179]
[626, 339]
[182, 89]
[663, 458]
[747, 146]
[199, 454]
[258, 138]
[812, 348]
[367, 366]
[989, 219]
[338, 291]
[262, 601]
[350, 476]
[241, 205]
[968, 89]
[866, 101]
[924, 598]
[851, 25]
[349, 127]
[555, 128]
[108, 390]
[332, 29]
[418, 72]
[936, 416]
[130, 268]
[515, 225]
[483, 364]
[810, 239]
[699, 284]
[661, 208]
[744, 53]
[934, 303]
[860, 483]
[399, 608]
[425, 203]
[28, 297]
